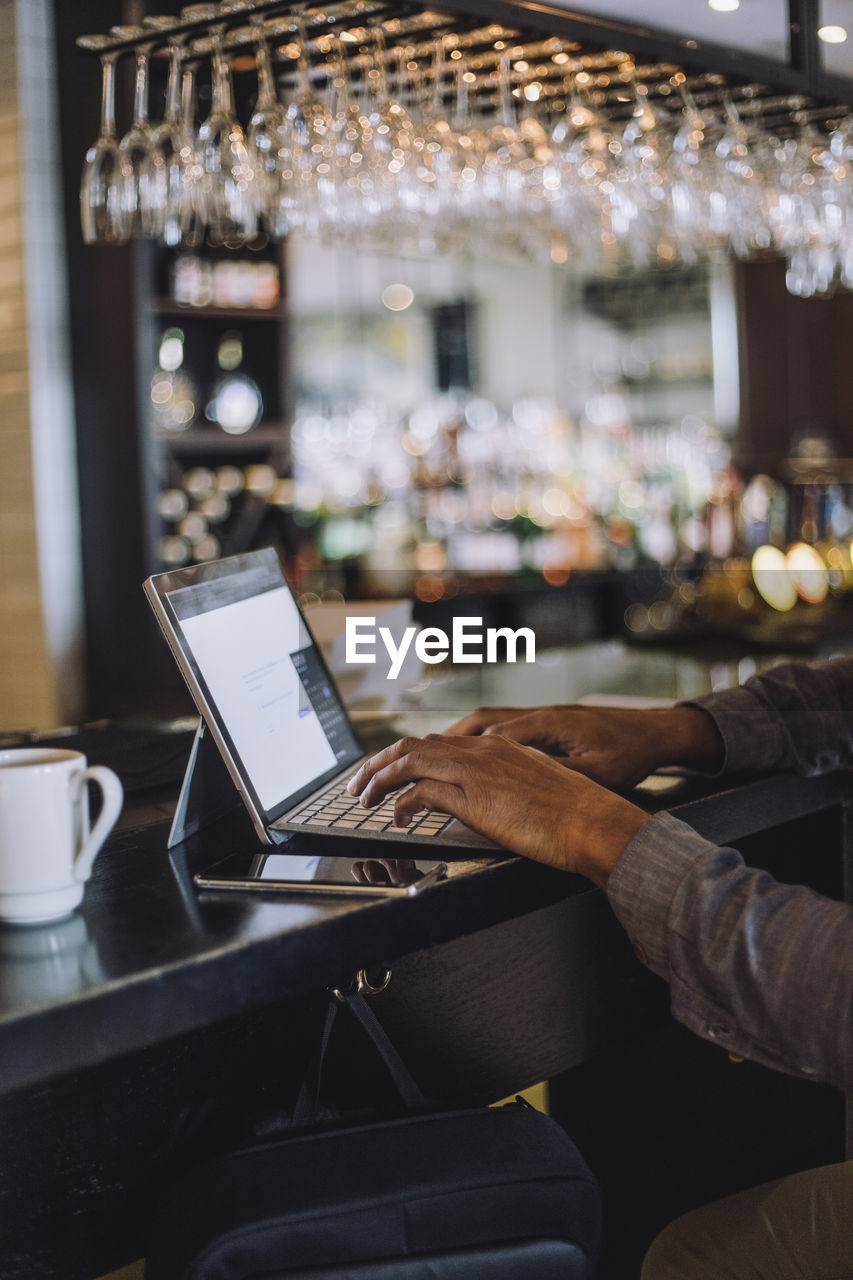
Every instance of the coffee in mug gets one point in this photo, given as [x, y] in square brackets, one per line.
[46, 847]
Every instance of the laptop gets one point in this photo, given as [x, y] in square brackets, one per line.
[268, 700]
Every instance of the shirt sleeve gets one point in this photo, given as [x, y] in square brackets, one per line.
[763, 969]
[795, 717]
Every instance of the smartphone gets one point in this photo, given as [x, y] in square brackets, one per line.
[329, 876]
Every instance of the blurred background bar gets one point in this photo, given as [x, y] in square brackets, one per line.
[536, 315]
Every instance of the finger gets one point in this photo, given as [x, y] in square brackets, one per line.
[429, 757]
[429, 793]
[376, 872]
[377, 762]
[501, 729]
[478, 721]
[527, 729]
[589, 764]
[601, 769]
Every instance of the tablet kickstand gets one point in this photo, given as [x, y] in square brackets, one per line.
[207, 791]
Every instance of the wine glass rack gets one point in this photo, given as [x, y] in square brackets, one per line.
[535, 32]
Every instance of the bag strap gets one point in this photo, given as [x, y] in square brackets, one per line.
[307, 1107]
[405, 1084]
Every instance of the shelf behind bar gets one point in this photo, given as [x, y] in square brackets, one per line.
[202, 440]
[164, 306]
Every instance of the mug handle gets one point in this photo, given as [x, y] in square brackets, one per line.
[113, 795]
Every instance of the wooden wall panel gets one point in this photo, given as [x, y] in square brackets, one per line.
[795, 362]
[28, 697]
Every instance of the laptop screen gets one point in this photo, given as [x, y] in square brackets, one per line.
[247, 643]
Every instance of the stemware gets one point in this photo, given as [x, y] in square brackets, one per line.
[339, 193]
[101, 213]
[225, 190]
[500, 178]
[305, 155]
[379, 153]
[387, 145]
[265, 133]
[696, 208]
[747, 170]
[580, 161]
[168, 165]
[135, 146]
[471, 144]
[808, 217]
[443, 155]
[638, 178]
[836, 163]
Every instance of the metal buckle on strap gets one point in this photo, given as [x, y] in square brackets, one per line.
[363, 985]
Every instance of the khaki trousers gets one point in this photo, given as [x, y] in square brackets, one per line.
[797, 1228]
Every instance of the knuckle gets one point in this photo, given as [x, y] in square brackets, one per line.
[407, 744]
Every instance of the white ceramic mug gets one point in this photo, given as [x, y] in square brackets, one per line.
[46, 847]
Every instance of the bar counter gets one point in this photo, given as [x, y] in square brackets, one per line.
[153, 1000]
[146, 959]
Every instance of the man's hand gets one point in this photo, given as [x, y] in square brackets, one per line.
[511, 793]
[615, 746]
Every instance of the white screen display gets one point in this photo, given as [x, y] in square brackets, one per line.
[244, 652]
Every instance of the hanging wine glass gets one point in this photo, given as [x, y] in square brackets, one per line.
[388, 141]
[436, 159]
[501, 185]
[101, 213]
[581, 159]
[265, 132]
[167, 213]
[420, 187]
[340, 210]
[696, 208]
[305, 148]
[636, 184]
[534, 153]
[838, 167]
[225, 192]
[135, 146]
[431, 136]
[806, 218]
[747, 169]
[193, 168]
[471, 145]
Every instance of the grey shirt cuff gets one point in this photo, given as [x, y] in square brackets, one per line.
[645, 880]
[753, 736]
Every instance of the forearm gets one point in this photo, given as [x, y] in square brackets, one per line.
[764, 970]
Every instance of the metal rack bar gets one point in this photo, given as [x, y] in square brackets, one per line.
[535, 20]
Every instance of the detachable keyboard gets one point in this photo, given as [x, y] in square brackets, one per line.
[337, 808]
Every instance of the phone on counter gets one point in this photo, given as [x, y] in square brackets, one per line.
[316, 875]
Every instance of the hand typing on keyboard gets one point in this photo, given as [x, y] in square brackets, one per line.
[339, 809]
[511, 793]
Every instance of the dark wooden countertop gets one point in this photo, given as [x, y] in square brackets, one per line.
[146, 958]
